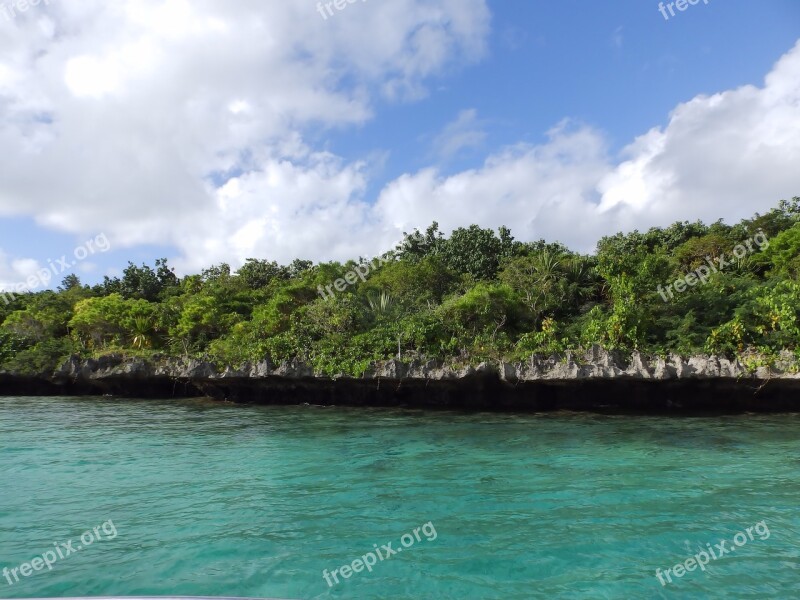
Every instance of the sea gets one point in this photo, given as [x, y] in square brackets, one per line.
[130, 497]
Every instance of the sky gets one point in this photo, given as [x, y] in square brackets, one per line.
[214, 131]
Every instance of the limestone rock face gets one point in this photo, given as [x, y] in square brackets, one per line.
[597, 380]
[596, 364]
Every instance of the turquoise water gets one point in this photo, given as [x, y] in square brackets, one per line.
[214, 499]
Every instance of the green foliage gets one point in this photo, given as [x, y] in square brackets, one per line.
[551, 281]
[10, 346]
[769, 318]
[783, 253]
[69, 282]
[380, 305]
[144, 283]
[546, 341]
[44, 317]
[780, 218]
[476, 251]
[472, 250]
[694, 251]
[41, 358]
[413, 285]
[474, 295]
[341, 354]
[259, 273]
[202, 318]
[417, 246]
[111, 322]
[484, 316]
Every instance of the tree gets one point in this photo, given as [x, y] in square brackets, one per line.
[474, 295]
[381, 304]
[768, 319]
[298, 267]
[694, 251]
[778, 219]
[416, 246]
[45, 317]
[782, 256]
[202, 319]
[166, 275]
[217, 273]
[259, 273]
[475, 251]
[412, 284]
[140, 283]
[97, 321]
[142, 333]
[69, 282]
[481, 313]
[551, 281]
[110, 320]
[535, 278]
[110, 285]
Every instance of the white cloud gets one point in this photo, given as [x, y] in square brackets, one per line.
[183, 122]
[535, 190]
[722, 156]
[466, 132]
[188, 124]
[14, 273]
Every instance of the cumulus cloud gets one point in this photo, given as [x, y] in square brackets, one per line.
[183, 123]
[190, 124]
[532, 189]
[721, 156]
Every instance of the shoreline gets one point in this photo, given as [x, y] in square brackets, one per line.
[600, 381]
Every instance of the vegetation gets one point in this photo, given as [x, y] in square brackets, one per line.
[473, 296]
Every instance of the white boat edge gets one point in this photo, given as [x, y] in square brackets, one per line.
[153, 598]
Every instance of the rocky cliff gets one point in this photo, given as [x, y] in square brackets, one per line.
[600, 380]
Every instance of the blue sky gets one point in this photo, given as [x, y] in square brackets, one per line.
[618, 66]
[209, 133]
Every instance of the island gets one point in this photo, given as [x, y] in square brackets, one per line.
[690, 317]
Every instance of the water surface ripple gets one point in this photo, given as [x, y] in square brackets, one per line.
[214, 499]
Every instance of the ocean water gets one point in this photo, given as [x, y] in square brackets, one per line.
[198, 498]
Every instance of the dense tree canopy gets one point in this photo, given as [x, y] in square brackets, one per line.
[471, 296]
